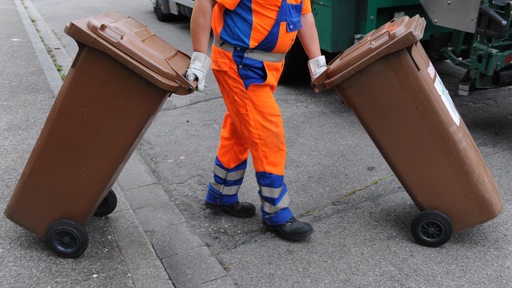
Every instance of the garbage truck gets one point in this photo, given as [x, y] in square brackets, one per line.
[472, 34]
[169, 10]
[481, 40]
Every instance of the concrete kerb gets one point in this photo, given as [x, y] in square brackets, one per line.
[151, 232]
[54, 78]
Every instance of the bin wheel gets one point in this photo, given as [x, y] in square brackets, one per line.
[67, 238]
[107, 205]
[431, 228]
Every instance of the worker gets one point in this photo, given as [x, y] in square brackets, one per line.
[250, 41]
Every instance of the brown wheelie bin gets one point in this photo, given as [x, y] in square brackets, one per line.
[118, 81]
[391, 85]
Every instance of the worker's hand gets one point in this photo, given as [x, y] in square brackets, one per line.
[316, 67]
[197, 69]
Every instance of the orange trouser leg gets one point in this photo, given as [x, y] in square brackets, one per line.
[253, 122]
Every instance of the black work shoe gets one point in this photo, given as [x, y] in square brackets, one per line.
[237, 209]
[293, 230]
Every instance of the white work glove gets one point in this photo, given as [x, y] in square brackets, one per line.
[197, 69]
[316, 67]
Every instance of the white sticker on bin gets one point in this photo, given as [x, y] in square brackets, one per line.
[445, 95]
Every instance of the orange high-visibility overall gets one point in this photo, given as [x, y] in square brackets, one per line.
[251, 39]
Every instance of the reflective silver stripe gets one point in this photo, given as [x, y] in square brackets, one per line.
[230, 176]
[251, 53]
[226, 190]
[271, 209]
[220, 172]
[271, 192]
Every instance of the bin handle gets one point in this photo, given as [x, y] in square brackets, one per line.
[318, 83]
[130, 42]
[389, 38]
[111, 33]
[180, 78]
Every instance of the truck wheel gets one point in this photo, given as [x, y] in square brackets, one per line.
[107, 205]
[67, 238]
[431, 228]
[161, 15]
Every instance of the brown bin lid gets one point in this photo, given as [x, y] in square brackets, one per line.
[137, 47]
[391, 37]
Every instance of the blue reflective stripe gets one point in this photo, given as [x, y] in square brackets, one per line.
[274, 195]
[226, 183]
[223, 181]
[224, 189]
[226, 178]
[215, 197]
[271, 192]
[229, 176]
[273, 200]
[269, 208]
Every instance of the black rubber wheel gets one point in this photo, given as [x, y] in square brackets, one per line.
[107, 205]
[431, 228]
[67, 238]
[160, 15]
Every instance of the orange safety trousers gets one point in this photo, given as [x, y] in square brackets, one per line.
[252, 124]
[253, 119]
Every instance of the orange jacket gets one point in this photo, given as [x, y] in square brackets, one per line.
[251, 24]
